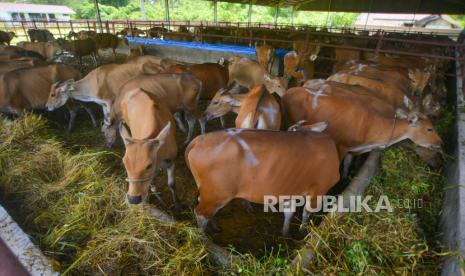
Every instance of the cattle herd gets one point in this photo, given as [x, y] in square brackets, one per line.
[291, 132]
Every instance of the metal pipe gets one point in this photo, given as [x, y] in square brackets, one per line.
[249, 14]
[215, 11]
[167, 13]
[276, 14]
[97, 13]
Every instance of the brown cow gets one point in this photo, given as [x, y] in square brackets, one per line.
[6, 37]
[357, 127]
[101, 86]
[256, 109]
[250, 74]
[312, 168]
[80, 48]
[386, 90]
[265, 56]
[46, 49]
[135, 32]
[109, 41]
[376, 103]
[213, 76]
[7, 66]
[149, 137]
[8, 53]
[29, 88]
[178, 92]
[40, 35]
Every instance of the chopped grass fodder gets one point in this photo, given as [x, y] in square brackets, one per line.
[72, 204]
[75, 211]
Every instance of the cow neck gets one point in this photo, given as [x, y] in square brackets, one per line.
[383, 133]
[142, 116]
[237, 103]
[83, 91]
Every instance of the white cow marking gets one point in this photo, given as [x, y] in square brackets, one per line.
[250, 157]
[319, 93]
[269, 111]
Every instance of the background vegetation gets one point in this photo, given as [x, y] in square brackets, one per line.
[197, 10]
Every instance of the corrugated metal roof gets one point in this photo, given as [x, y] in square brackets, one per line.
[35, 8]
[375, 6]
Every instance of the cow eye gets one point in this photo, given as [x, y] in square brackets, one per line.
[53, 95]
[215, 102]
[429, 129]
[149, 166]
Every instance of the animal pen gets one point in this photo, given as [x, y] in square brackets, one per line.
[63, 193]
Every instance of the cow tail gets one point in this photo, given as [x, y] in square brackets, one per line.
[189, 147]
[256, 114]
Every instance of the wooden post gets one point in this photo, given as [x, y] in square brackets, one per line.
[88, 25]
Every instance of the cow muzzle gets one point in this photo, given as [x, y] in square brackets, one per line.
[134, 199]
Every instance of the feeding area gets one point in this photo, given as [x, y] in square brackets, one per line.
[180, 148]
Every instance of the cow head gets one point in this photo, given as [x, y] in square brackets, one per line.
[122, 41]
[419, 79]
[431, 107]
[59, 94]
[274, 84]
[110, 132]
[140, 160]
[222, 103]
[420, 130]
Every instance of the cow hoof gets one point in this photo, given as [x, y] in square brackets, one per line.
[179, 207]
[214, 227]
[303, 230]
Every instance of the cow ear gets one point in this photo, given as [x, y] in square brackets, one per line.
[161, 137]
[407, 103]
[297, 126]
[401, 113]
[267, 77]
[412, 118]
[317, 127]
[125, 133]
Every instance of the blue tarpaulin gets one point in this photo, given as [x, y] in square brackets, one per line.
[233, 49]
[244, 50]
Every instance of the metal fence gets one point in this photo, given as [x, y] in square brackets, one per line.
[381, 40]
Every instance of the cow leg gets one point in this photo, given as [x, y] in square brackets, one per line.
[72, 108]
[223, 122]
[172, 185]
[346, 164]
[305, 216]
[177, 118]
[91, 115]
[106, 114]
[202, 122]
[288, 213]
[94, 57]
[191, 125]
[205, 211]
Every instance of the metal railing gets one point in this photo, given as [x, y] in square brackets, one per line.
[402, 41]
